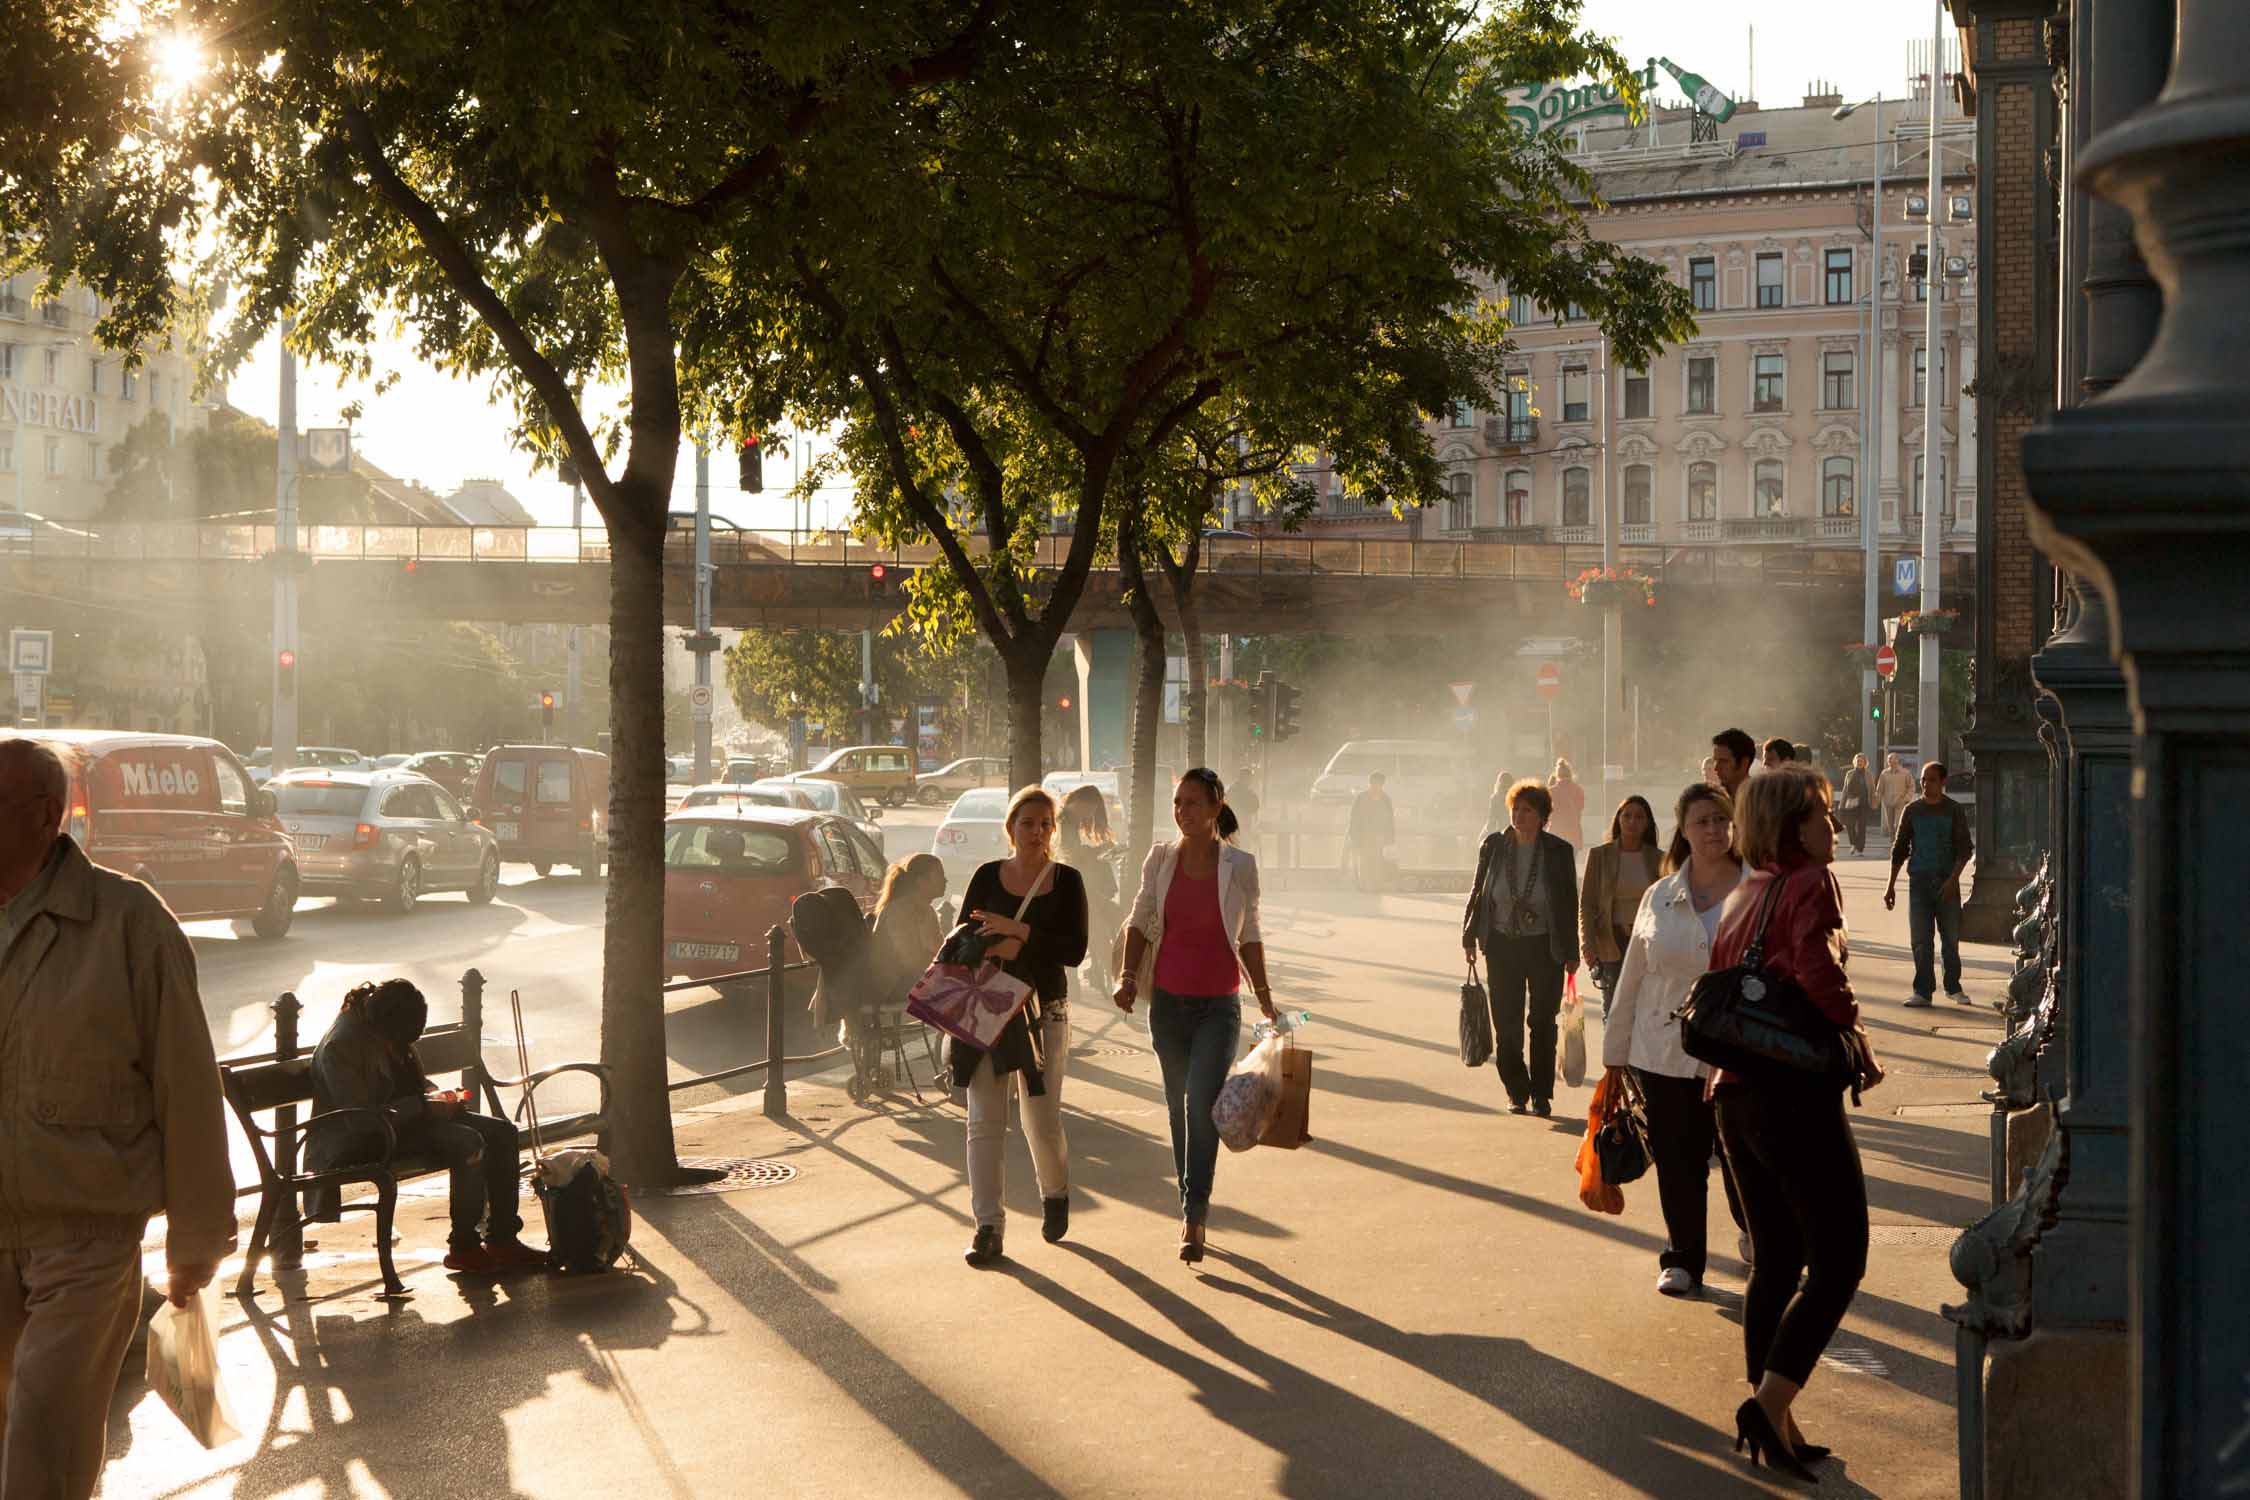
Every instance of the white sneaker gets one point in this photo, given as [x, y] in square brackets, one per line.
[1959, 997]
[1674, 1281]
[1915, 1002]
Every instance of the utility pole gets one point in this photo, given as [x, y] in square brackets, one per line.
[285, 563]
[1868, 491]
[1613, 616]
[1929, 649]
[702, 642]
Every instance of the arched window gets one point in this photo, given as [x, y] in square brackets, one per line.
[1577, 497]
[1460, 511]
[1640, 492]
[1768, 492]
[1518, 511]
[1837, 496]
[1703, 492]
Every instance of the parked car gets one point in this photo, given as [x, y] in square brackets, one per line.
[834, 797]
[547, 805]
[1420, 774]
[727, 794]
[334, 757]
[744, 769]
[392, 836]
[970, 771]
[881, 774]
[391, 762]
[455, 770]
[180, 812]
[971, 834]
[730, 874]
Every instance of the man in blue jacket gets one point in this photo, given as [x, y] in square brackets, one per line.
[1934, 843]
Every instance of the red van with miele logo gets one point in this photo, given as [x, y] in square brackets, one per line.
[179, 812]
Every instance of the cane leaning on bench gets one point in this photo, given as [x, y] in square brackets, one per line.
[110, 1113]
[367, 1062]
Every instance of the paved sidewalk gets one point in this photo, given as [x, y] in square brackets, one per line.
[1414, 1305]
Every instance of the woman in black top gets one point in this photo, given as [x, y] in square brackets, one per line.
[1037, 947]
[1083, 842]
[1523, 911]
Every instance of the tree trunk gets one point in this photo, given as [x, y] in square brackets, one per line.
[1195, 706]
[639, 1142]
[1027, 680]
[1148, 696]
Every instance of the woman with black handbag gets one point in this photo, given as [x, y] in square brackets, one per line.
[1523, 911]
[1786, 1136]
[1668, 949]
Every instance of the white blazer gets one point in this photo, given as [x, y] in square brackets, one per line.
[1238, 902]
[1668, 952]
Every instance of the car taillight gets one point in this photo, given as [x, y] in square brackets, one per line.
[952, 836]
[363, 836]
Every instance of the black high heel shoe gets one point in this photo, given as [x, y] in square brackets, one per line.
[1812, 1453]
[1753, 1427]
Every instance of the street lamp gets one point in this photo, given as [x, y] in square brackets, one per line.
[1870, 430]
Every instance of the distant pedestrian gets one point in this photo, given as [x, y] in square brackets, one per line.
[1496, 811]
[1083, 840]
[1372, 834]
[1570, 806]
[1778, 752]
[1198, 900]
[1711, 771]
[110, 1114]
[1934, 842]
[1733, 753]
[1520, 913]
[1242, 796]
[907, 936]
[1039, 948]
[1856, 802]
[1669, 949]
[1616, 873]
[1787, 1138]
[1893, 790]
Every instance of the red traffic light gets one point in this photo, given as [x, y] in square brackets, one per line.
[1063, 704]
[288, 660]
[877, 572]
[546, 700]
[411, 565]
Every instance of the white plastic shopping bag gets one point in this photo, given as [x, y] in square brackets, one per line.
[183, 1368]
[1250, 1095]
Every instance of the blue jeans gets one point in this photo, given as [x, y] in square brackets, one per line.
[1929, 906]
[1195, 1038]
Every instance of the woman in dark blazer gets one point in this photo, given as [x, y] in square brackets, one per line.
[1523, 911]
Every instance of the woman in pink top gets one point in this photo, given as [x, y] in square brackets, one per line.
[1192, 935]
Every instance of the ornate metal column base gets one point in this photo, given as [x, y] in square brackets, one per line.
[2143, 490]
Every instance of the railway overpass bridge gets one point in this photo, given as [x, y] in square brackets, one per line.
[1262, 585]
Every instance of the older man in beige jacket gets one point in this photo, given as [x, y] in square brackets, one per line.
[110, 1112]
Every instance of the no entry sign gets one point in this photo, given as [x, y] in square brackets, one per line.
[1886, 662]
[1549, 680]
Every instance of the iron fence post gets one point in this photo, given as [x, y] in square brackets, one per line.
[777, 1087]
[289, 1230]
[472, 1021]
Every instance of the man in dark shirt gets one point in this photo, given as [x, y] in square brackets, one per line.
[1934, 843]
[1733, 753]
[1779, 752]
[1372, 831]
[367, 1061]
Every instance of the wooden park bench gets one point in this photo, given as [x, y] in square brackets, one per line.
[278, 1083]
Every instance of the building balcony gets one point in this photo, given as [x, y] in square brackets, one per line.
[1574, 536]
[1763, 528]
[1500, 432]
[1837, 528]
[1516, 536]
[1637, 533]
[13, 306]
[54, 314]
[1699, 531]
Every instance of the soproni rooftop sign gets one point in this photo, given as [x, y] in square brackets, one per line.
[1542, 107]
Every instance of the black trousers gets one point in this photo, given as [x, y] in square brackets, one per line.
[1855, 825]
[485, 1166]
[1681, 1131]
[1797, 1168]
[1526, 981]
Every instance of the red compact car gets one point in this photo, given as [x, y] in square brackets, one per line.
[730, 873]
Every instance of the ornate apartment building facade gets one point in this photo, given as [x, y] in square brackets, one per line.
[1751, 433]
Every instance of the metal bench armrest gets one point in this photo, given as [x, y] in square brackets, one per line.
[390, 1131]
[530, 1085]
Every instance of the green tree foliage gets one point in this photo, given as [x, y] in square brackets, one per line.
[774, 673]
[1151, 208]
[220, 471]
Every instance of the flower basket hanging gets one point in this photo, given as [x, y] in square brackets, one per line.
[1929, 622]
[1605, 588]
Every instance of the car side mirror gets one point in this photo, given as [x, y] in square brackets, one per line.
[473, 814]
[874, 815]
[267, 804]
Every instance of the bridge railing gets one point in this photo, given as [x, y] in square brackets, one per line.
[1280, 556]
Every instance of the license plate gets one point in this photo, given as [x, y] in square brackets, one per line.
[708, 952]
[507, 833]
[310, 840]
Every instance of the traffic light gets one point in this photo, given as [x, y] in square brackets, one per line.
[547, 710]
[751, 468]
[1875, 705]
[1287, 697]
[1261, 698]
[287, 662]
[1063, 703]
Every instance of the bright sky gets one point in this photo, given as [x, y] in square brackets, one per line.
[442, 431]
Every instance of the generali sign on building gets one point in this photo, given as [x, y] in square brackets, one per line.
[25, 407]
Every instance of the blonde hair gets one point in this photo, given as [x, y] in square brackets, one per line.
[1563, 771]
[1021, 800]
[1772, 806]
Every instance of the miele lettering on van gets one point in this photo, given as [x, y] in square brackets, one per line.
[142, 780]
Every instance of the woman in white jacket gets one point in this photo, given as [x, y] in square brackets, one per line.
[1193, 934]
[1670, 949]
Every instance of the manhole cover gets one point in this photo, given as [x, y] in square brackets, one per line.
[1107, 1049]
[741, 1172]
[1855, 1361]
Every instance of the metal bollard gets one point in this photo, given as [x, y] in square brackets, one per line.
[777, 1087]
[472, 1022]
[288, 1240]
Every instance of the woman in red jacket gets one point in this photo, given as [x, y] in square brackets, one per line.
[1788, 1141]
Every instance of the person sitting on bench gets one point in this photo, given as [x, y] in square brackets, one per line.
[367, 1061]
